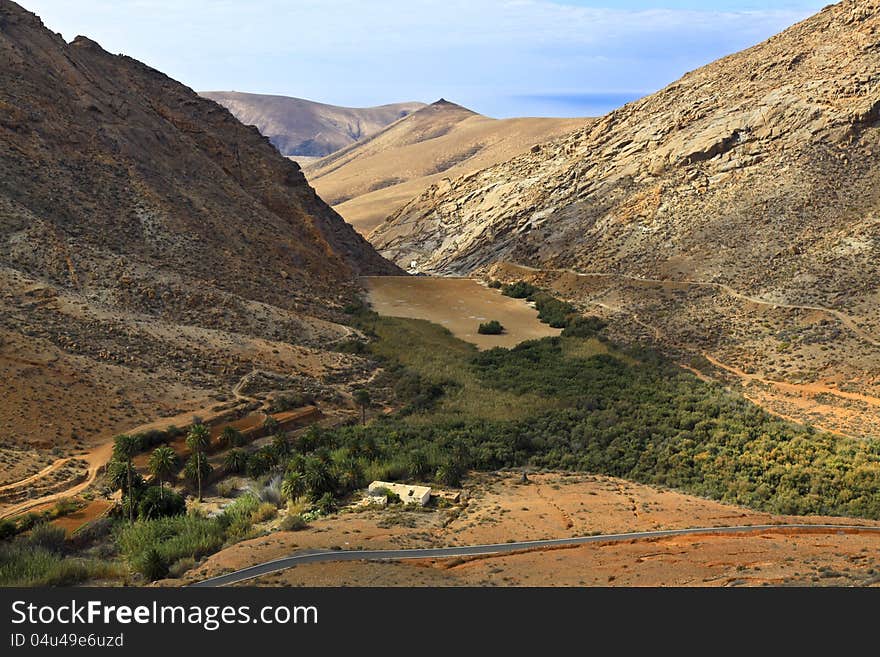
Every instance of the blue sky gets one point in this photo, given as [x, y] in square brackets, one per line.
[499, 57]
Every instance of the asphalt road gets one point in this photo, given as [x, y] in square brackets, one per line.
[318, 556]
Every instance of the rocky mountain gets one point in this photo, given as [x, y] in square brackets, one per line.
[373, 178]
[736, 213]
[153, 249]
[305, 128]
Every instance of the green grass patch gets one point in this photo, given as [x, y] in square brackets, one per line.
[580, 403]
[437, 356]
[24, 565]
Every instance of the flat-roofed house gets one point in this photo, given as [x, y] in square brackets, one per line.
[407, 493]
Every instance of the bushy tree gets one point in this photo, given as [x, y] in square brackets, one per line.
[492, 327]
[157, 503]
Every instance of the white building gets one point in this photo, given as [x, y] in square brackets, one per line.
[408, 494]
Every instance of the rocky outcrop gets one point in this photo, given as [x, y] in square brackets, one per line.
[116, 177]
[153, 249]
[756, 170]
[299, 127]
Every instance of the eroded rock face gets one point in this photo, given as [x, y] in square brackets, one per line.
[153, 250]
[757, 170]
[112, 173]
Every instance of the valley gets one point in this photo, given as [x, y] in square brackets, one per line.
[236, 328]
[371, 179]
[457, 304]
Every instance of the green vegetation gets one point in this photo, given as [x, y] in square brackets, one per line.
[492, 327]
[518, 290]
[362, 399]
[293, 523]
[198, 440]
[163, 465]
[149, 544]
[44, 558]
[552, 311]
[578, 402]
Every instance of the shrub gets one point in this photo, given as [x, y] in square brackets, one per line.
[552, 311]
[584, 327]
[237, 518]
[450, 473]
[293, 523]
[226, 489]
[179, 568]
[8, 528]
[47, 537]
[290, 400]
[173, 538]
[326, 504]
[495, 285]
[151, 565]
[492, 327]
[271, 491]
[21, 564]
[519, 290]
[156, 503]
[266, 511]
[64, 507]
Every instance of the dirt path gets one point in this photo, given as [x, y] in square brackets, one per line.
[96, 459]
[49, 469]
[804, 389]
[845, 319]
[801, 389]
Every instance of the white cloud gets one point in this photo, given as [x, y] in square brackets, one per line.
[357, 52]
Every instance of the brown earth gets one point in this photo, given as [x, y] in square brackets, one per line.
[154, 252]
[764, 559]
[91, 511]
[458, 304]
[734, 212]
[814, 365]
[370, 180]
[298, 127]
[501, 509]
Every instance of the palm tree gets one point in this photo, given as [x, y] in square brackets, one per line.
[362, 399]
[235, 460]
[281, 444]
[293, 486]
[163, 462]
[124, 449]
[318, 477]
[230, 437]
[198, 440]
[350, 474]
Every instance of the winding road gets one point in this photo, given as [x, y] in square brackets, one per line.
[321, 556]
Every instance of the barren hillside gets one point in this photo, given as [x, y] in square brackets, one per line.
[153, 249]
[370, 180]
[300, 127]
[751, 183]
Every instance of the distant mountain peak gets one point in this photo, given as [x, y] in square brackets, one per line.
[305, 128]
